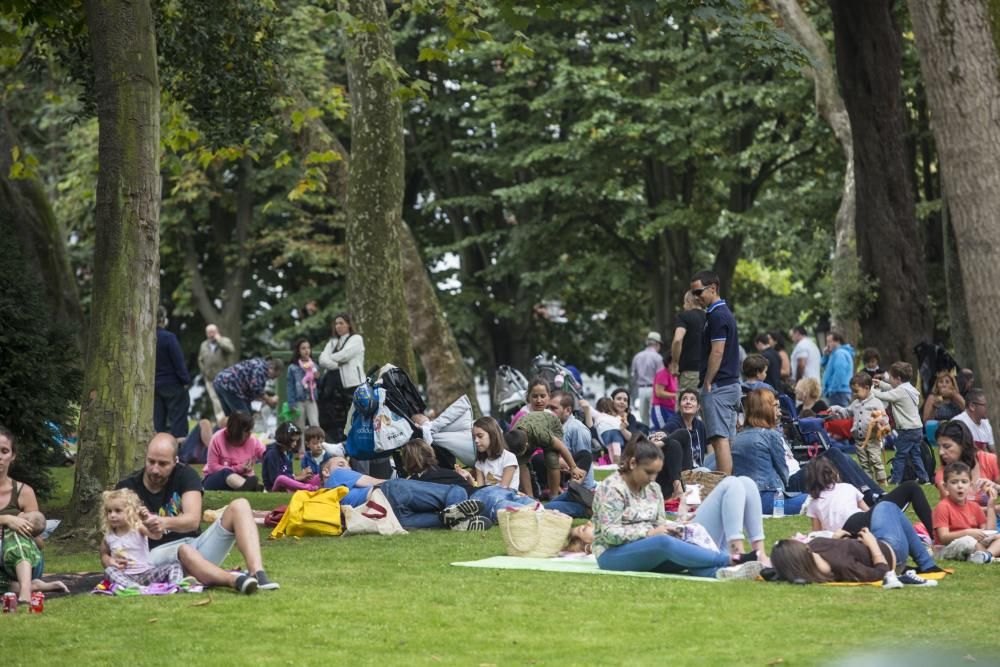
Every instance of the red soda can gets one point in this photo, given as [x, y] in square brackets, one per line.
[9, 603]
[37, 602]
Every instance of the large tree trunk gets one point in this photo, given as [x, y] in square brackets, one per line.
[959, 323]
[375, 191]
[448, 376]
[958, 45]
[42, 240]
[830, 105]
[868, 64]
[117, 406]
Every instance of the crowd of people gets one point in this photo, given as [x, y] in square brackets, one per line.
[705, 405]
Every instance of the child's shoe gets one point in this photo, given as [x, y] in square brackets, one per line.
[981, 557]
[746, 571]
[891, 581]
[910, 578]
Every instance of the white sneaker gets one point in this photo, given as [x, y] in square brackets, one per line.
[890, 581]
[980, 557]
[746, 571]
[959, 549]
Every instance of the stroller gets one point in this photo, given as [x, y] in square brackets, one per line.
[509, 388]
[805, 435]
[558, 376]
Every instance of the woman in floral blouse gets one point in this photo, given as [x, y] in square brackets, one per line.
[631, 530]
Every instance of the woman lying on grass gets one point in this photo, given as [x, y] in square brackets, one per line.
[631, 530]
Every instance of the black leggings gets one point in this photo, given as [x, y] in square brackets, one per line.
[907, 493]
[676, 459]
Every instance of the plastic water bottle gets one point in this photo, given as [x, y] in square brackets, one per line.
[778, 509]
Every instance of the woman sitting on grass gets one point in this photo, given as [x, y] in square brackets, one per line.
[231, 456]
[631, 530]
[955, 443]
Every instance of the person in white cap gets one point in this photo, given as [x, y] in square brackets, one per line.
[645, 365]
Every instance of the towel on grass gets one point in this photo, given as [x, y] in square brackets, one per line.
[578, 565]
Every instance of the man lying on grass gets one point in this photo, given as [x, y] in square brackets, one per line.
[171, 491]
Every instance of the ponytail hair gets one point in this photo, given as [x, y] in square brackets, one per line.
[641, 449]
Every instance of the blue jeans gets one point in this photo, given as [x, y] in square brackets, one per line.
[908, 449]
[231, 402]
[417, 503]
[892, 527]
[496, 498]
[562, 503]
[731, 511]
[793, 503]
[663, 553]
[839, 398]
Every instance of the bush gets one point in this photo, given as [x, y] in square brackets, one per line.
[40, 374]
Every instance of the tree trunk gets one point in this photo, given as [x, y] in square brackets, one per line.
[117, 406]
[845, 274]
[375, 190]
[868, 64]
[24, 204]
[448, 376]
[958, 43]
[959, 324]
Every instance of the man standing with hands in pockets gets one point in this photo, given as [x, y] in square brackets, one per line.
[216, 352]
[720, 368]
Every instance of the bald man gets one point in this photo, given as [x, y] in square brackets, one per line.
[171, 491]
[216, 352]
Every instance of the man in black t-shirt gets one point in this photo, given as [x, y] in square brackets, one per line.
[171, 491]
[763, 344]
[685, 349]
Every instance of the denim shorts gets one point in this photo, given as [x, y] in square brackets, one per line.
[214, 545]
[719, 408]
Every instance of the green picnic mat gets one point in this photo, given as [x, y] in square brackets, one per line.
[574, 565]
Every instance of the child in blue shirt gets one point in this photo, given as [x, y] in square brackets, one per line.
[316, 454]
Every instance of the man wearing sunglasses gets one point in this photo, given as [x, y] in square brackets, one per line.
[720, 368]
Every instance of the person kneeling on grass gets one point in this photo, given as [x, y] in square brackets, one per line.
[543, 430]
[632, 533]
[416, 504]
[172, 493]
[231, 456]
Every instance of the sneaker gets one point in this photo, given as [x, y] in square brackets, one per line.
[745, 571]
[264, 583]
[473, 523]
[910, 578]
[459, 512]
[245, 584]
[980, 557]
[959, 549]
[891, 581]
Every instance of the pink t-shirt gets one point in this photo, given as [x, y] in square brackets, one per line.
[667, 380]
[240, 459]
[834, 506]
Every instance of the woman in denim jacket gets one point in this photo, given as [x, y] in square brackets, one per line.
[303, 378]
[759, 453]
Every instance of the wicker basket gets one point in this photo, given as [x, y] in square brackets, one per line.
[533, 534]
[708, 480]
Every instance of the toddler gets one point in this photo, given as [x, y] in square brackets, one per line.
[316, 453]
[125, 548]
[961, 527]
[867, 435]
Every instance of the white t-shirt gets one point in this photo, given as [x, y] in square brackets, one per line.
[806, 349]
[834, 506]
[981, 432]
[492, 469]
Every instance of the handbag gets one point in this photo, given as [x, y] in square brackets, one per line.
[375, 517]
[530, 533]
[331, 385]
[312, 513]
[273, 517]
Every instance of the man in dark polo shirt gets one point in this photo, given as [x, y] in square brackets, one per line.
[720, 368]
[685, 349]
[171, 491]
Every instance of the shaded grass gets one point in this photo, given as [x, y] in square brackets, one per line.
[373, 600]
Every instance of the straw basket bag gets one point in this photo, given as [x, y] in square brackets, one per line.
[707, 480]
[533, 534]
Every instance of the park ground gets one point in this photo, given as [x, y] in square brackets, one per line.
[372, 600]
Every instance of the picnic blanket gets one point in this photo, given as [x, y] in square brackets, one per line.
[578, 565]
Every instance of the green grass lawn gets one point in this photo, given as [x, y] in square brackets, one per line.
[388, 601]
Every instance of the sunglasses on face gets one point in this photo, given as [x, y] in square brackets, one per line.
[697, 292]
